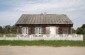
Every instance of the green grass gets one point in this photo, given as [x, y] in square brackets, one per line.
[42, 43]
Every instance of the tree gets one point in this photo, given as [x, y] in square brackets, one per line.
[13, 29]
[7, 29]
[81, 30]
[83, 26]
[1, 30]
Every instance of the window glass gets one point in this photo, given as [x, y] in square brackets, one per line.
[24, 30]
[38, 30]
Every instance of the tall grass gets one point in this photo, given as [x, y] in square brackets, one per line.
[42, 43]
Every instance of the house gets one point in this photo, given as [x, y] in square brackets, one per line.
[44, 24]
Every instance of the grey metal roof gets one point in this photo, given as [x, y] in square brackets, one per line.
[44, 19]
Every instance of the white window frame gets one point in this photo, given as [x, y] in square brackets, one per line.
[24, 30]
[38, 30]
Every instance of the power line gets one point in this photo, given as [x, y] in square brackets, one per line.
[79, 17]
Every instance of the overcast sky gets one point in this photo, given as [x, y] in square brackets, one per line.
[11, 10]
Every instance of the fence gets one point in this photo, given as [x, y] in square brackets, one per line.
[44, 37]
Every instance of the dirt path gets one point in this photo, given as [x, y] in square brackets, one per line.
[41, 50]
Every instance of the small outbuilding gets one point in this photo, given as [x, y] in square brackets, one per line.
[44, 24]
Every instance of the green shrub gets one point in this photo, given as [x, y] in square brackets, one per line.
[8, 35]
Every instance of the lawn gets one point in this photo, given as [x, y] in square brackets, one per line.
[42, 43]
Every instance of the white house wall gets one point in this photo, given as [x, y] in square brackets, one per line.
[52, 30]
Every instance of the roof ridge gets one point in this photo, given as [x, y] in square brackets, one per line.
[43, 14]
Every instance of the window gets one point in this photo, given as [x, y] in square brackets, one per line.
[24, 30]
[38, 30]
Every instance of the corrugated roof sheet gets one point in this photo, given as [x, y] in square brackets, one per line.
[44, 19]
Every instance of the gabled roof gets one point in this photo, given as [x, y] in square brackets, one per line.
[43, 19]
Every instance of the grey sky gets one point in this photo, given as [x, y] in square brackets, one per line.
[11, 10]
